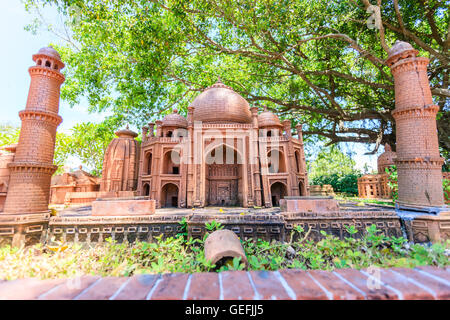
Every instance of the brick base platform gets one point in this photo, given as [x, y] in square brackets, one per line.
[424, 283]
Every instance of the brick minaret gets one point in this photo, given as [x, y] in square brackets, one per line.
[33, 167]
[418, 161]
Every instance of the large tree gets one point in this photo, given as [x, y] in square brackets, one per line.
[316, 62]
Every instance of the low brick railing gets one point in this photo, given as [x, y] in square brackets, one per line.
[342, 284]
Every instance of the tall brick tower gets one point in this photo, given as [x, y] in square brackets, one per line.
[418, 161]
[32, 168]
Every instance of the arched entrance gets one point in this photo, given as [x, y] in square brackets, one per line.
[223, 177]
[169, 196]
[146, 190]
[301, 188]
[278, 191]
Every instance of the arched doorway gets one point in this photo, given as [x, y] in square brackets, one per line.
[223, 177]
[148, 163]
[301, 188]
[278, 191]
[297, 161]
[169, 196]
[146, 190]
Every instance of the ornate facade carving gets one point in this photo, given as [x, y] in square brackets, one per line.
[223, 153]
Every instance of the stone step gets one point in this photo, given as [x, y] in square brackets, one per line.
[343, 284]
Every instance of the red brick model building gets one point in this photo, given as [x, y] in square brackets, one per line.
[32, 168]
[372, 186]
[223, 154]
[120, 165]
[70, 182]
[418, 161]
[6, 157]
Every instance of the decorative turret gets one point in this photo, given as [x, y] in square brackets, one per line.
[418, 161]
[120, 164]
[33, 167]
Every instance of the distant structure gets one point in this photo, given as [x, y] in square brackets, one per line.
[6, 157]
[69, 182]
[120, 164]
[32, 168]
[375, 186]
[419, 164]
[325, 190]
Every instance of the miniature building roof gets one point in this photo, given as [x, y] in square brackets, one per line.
[49, 52]
[400, 49]
[10, 148]
[126, 133]
[77, 177]
[386, 158]
[220, 104]
[174, 120]
[268, 119]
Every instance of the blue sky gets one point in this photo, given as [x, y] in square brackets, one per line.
[15, 55]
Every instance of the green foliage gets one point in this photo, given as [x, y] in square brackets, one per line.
[315, 62]
[213, 226]
[393, 181]
[180, 254]
[88, 143]
[8, 134]
[333, 167]
[446, 186]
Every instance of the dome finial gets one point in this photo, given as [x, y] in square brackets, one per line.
[219, 80]
[387, 147]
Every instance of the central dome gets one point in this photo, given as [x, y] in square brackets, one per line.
[221, 104]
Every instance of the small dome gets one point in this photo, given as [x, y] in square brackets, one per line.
[174, 120]
[126, 133]
[221, 104]
[400, 49]
[386, 159]
[49, 51]
[268, 119]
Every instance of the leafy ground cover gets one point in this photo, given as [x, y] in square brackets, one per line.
[183, 254]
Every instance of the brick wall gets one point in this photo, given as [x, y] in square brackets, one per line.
[424, 283]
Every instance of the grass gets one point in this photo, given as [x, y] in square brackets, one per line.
[181, 254]
[362, 201]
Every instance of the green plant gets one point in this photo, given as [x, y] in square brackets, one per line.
[393, 181]
[446, 186]
[184, 254]
[213, 226]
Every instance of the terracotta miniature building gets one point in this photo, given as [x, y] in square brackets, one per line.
[6, 157]
[120, 165]
[321, 190]
[223, 154]
[77, 181]
[373, 186]
[419, 164]
[32, 168]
